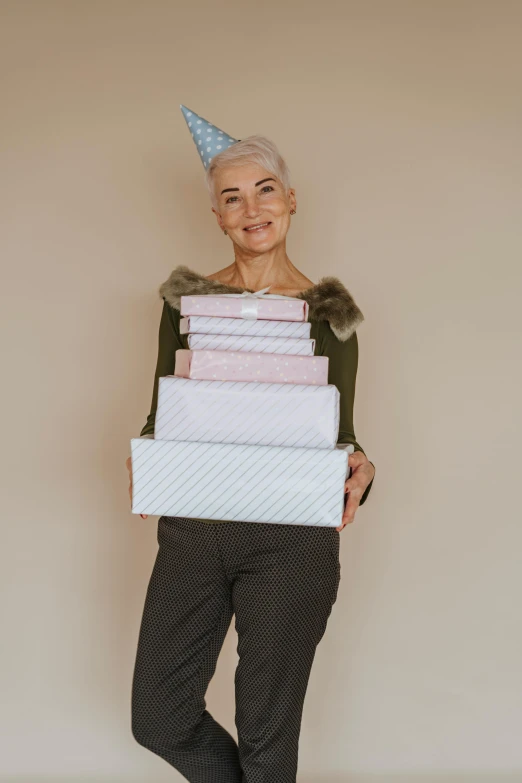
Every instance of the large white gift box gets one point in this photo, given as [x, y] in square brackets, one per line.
[208, 324]
[269, 414]
[227, 481]
[243, 342]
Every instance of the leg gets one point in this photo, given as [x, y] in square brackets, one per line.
[282, 596]
[186, 617]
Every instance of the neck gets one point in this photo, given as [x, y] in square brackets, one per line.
[258, 273]
[272, 269]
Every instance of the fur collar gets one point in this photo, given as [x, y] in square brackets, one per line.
[328, 300]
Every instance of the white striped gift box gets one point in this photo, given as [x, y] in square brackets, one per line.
[226, 481]
[208, 324]
[269, 414]
[250, 343]
[245, 366]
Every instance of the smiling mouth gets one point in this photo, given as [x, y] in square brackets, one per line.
[258, 227]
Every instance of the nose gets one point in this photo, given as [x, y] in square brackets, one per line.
[251, 208]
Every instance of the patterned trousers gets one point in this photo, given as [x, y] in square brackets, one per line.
[280, 583]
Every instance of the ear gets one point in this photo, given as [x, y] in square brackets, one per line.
[219, 219]
[291, 198]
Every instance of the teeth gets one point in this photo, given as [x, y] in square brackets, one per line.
[252, 228]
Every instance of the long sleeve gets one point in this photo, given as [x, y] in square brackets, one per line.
[169, 341]
[342, 372]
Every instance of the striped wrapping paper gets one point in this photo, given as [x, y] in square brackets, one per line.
[226, 481]
[243, 342]
[203, 324]
[269, 414]
[244, 366]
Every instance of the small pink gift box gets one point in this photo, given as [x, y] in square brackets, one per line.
[272, 307]
[245, 366]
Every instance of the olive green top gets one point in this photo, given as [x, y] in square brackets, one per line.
[342, 371]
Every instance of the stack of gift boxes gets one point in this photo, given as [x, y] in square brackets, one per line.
[246, 428]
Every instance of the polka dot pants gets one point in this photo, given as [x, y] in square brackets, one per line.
[280, 583]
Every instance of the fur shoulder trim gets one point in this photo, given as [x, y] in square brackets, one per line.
[328, 300]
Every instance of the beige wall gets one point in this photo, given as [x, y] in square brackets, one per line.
[401, 122]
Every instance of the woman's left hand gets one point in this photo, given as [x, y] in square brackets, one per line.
[362, 473]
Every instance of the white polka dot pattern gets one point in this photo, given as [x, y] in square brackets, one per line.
[246, 366]
[280, 582]
[215, 139]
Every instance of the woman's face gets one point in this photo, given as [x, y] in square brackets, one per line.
[249, 195]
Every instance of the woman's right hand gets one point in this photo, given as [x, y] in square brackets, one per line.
[129, 468]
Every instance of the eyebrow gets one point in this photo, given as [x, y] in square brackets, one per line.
[268, 179]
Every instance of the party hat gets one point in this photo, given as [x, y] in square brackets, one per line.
[209, 139]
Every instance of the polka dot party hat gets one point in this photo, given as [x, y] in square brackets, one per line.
[209, 139]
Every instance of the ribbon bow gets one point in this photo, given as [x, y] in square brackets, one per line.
[249, 308]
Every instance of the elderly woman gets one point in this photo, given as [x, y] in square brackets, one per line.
[279, 581]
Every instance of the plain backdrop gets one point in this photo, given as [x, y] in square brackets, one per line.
[401, 122]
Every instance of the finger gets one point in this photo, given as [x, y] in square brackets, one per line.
[347, 520]
[356, 484]
[144, 516]
[353, 484]
[343, 519]
[350, 509]
[354, 498]
[357, 458]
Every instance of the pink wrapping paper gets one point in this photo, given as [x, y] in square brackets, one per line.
[271, 309]
[244, 366]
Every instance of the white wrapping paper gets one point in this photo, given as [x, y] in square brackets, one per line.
[208, 324]
[224, 481]
[243, 342]
[271, 414]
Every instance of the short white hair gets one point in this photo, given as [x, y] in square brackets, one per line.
[253, 149]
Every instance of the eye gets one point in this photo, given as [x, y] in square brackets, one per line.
[231, 198]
